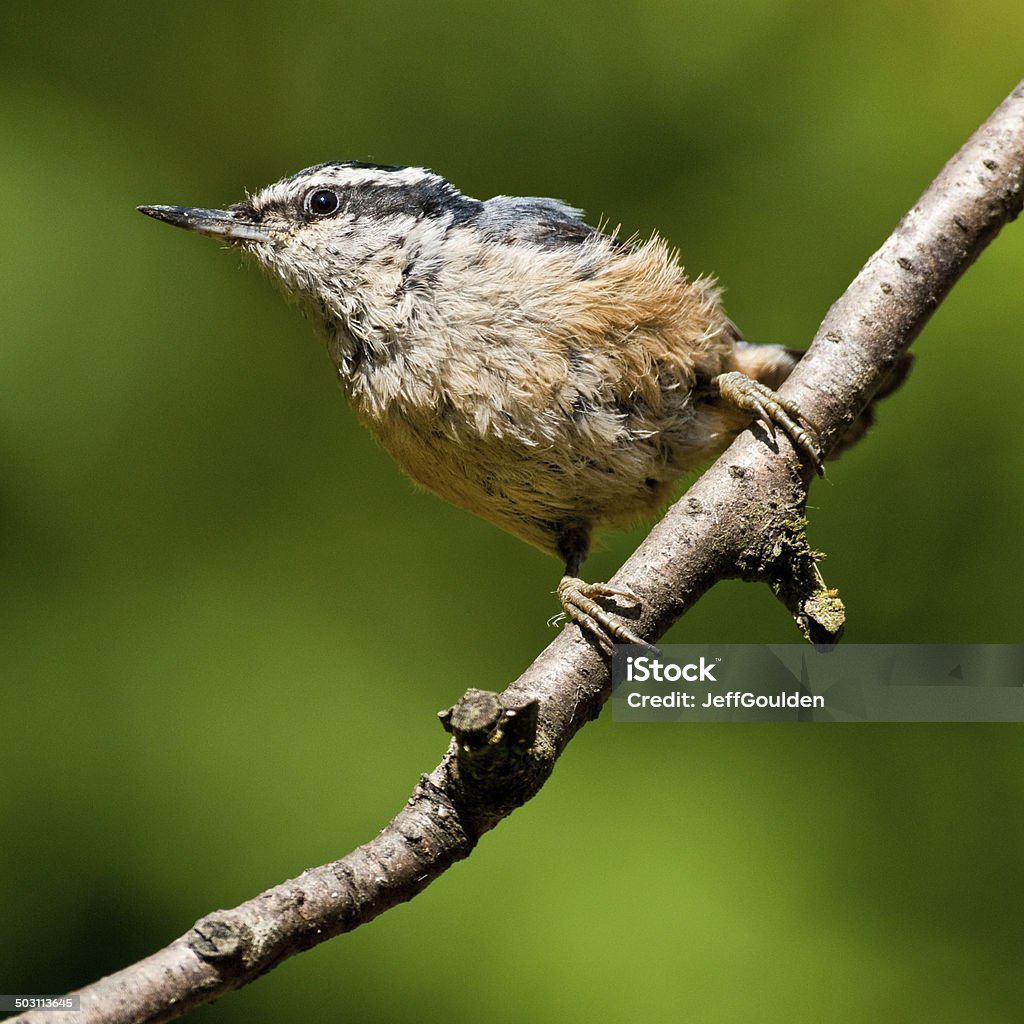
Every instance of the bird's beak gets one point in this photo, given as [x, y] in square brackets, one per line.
[229, 224]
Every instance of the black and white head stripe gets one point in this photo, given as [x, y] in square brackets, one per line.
[377, 191]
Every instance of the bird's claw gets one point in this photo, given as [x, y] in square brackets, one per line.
[580, 603]
[773, 410]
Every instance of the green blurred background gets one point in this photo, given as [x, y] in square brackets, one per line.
[227, 620]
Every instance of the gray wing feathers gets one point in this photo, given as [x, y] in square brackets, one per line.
[547, 222]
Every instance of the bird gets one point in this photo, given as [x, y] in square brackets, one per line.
[547, 375]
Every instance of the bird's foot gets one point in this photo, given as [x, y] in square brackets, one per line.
[752, 396]
[581, 603]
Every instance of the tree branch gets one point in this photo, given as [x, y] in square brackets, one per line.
[743, 517]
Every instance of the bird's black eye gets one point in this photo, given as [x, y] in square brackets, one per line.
[322, 202]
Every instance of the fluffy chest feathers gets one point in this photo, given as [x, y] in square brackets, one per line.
[531, 385]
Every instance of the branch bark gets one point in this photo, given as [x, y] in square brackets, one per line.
[743, 517]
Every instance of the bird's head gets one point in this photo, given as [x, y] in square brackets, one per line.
[337, 232]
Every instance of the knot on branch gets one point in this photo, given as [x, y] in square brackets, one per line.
[495, 768]
[218, 938]
[485, 727]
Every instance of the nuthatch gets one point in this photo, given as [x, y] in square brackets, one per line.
[537, 371]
